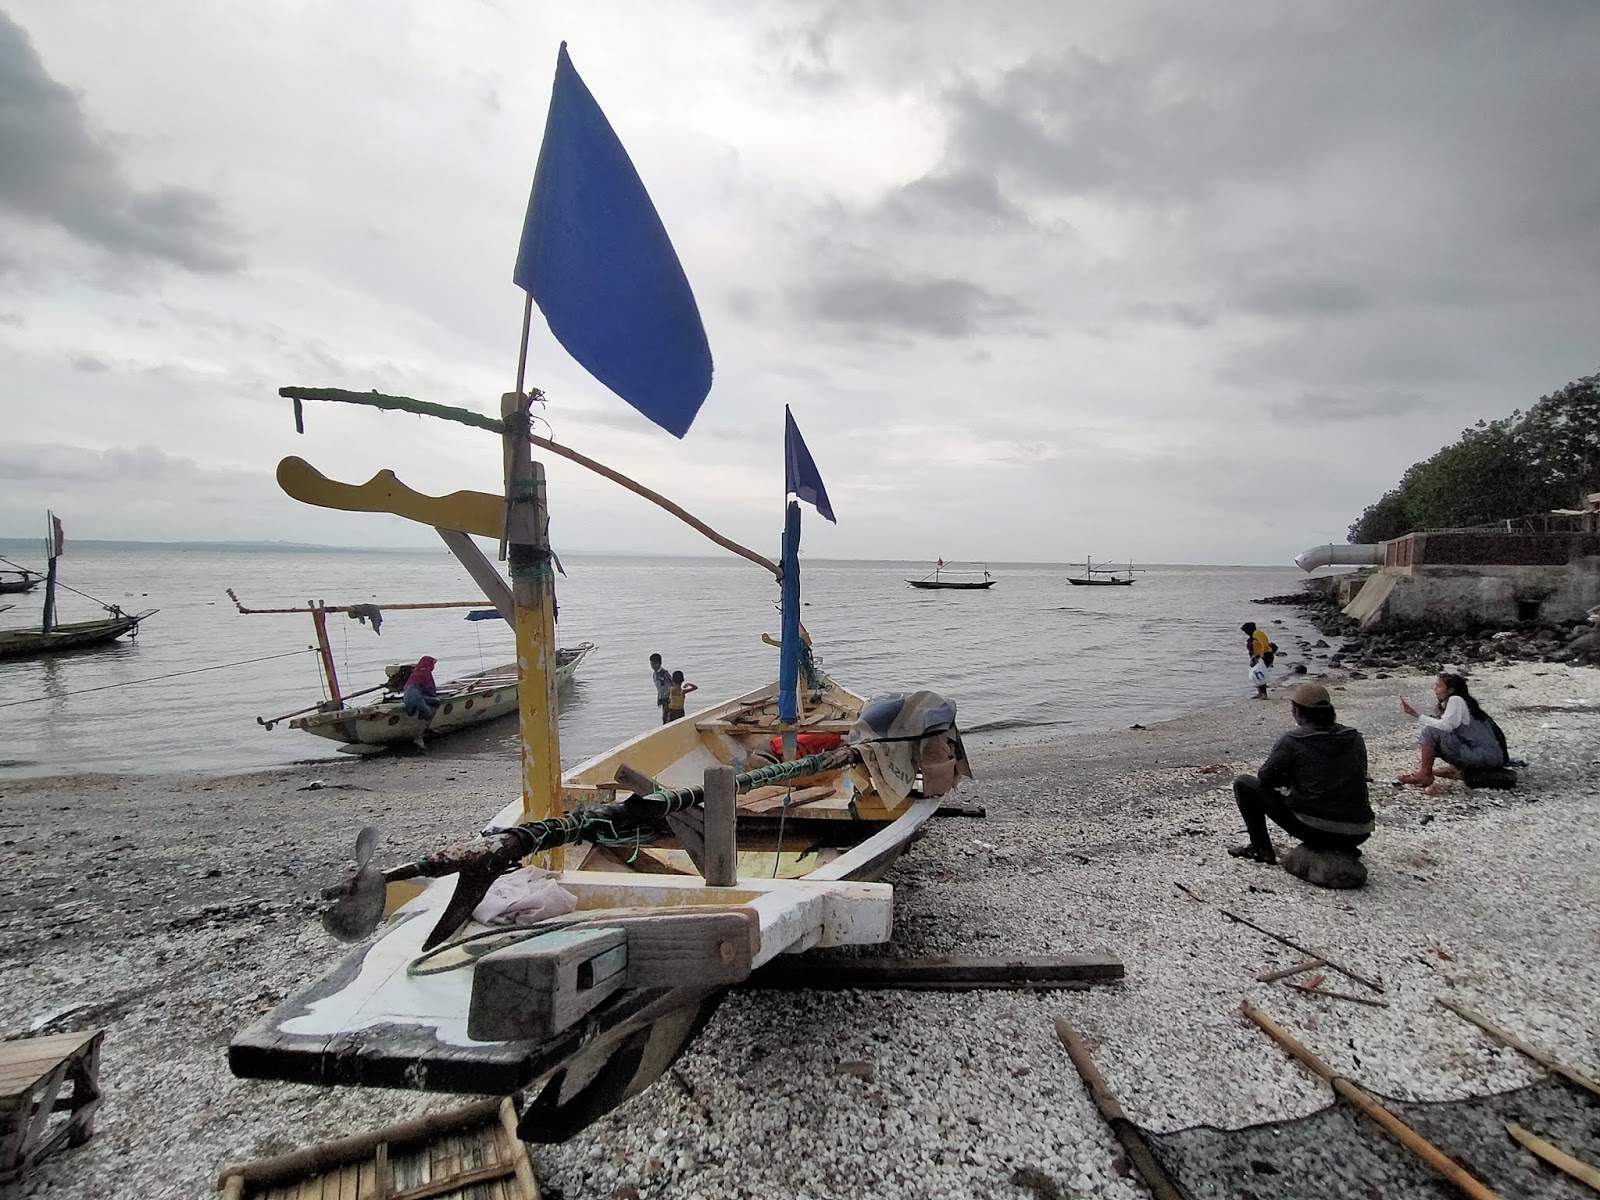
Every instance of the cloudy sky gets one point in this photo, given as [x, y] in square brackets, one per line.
[1181, 282]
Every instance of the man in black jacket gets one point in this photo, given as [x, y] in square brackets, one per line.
[1313, 784]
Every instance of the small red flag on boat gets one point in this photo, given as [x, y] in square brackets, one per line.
[941, 562]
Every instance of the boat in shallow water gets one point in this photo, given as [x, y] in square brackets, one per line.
[52, 636]
[463, 703]
[589, 1007]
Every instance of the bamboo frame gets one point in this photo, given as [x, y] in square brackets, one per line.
[1572, 1076]
[1408, 1137]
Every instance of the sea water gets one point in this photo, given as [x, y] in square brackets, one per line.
[1029, 659]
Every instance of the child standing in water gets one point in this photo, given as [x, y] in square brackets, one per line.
[676, 693]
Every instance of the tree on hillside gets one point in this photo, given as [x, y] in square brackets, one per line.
[1548, 457]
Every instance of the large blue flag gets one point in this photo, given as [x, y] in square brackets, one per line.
[800, 475]
[597, 261]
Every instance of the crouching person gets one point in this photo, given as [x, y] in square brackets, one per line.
[1313, 786]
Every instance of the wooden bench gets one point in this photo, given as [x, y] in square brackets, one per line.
[33, 1072]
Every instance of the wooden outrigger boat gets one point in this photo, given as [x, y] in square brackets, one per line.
[1094, 576]
[55, 637]
[472, 700]
[934, 582]
[590, 1007]
[16, 580]
[676, 888]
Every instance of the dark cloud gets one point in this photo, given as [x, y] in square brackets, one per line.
[876, 306]
[1194, 316]
[1327, 407]
[955, 200]
[88, 363]
[54, 169]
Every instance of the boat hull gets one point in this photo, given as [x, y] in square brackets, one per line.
[12, 587]
[1100, 582]
[79, 635]
[940, 585]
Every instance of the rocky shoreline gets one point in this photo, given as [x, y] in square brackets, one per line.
[1429, 648]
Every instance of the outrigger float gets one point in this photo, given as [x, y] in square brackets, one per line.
[372, 727]
[678, 862]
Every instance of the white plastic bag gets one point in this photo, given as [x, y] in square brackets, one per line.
[525, 896]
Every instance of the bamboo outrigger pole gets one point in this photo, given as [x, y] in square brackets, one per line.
[1392, 1125]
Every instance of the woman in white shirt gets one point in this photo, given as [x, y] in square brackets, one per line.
[1462, 734]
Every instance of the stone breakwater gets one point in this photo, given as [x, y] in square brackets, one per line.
[1429, 648]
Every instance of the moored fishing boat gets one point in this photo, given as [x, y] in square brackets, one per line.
[463, 703]
[56, 637]
[472, 700]
[935, 581]
[610, 962]
[1094, 576]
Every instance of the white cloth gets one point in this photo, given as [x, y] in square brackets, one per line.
[1455, 715]
[525, 896]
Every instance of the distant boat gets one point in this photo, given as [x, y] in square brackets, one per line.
[364, 728]
[19, 580]
[53, 637]
[1094, 576]
[930, 582]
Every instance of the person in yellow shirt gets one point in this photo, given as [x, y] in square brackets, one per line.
[675, 695]
[1260, 648]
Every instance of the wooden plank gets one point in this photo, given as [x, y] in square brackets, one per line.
[797, 973]
[536, 988]
[456, 1181]
[721, 865]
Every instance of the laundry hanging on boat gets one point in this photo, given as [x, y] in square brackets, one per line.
[365, 613]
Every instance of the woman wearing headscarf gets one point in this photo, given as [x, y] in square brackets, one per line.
[421, 694]
[1461, 734]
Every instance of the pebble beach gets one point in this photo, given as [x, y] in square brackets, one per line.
[172, 910]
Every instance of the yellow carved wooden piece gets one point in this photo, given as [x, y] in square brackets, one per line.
[466, 512]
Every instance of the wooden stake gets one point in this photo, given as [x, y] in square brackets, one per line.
[1392, 1125]
[1317, 991]
[1557, 1158]
[721, 838]
[1576, 1078]
[1162, 1186]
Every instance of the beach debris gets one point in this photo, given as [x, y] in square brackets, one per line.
[1556, 1157]
[1549, 1062]
[1310, 964]
[1307, 951]
[1315, 989]
[1408, 1137]
[976, 811]
[1162, 1186]
[941, 974]
[1189, 892]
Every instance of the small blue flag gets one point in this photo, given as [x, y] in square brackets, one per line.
[597, 260]
[800, 475]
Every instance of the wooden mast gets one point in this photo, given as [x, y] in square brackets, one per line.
[533, 596]
[47, 620]
[319, 618]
